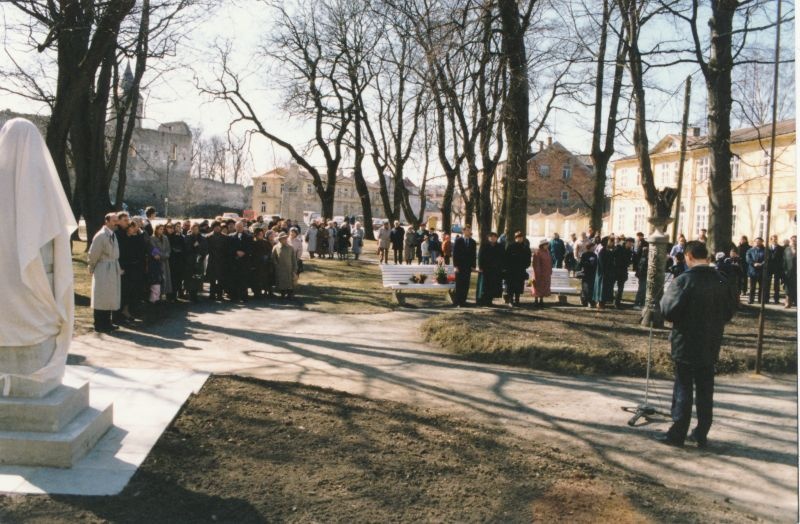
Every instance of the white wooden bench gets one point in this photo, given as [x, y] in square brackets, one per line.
[397, 277]
[632, 284]
[559, 284]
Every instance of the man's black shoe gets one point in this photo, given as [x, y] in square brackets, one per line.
[701, 443]
[664, 438]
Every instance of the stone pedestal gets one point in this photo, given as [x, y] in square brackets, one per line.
[656, 264]
[42, 421]
[45, 423]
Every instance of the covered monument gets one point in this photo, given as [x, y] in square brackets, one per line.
[42, 421]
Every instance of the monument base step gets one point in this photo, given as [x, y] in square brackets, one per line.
[46, 414]
[61, 449]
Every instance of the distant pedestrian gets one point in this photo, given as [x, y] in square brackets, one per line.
[790, 272]
[397, 238]
[557, 251]
[586, 271]
[490, 271]
[384, 242]
[358, 239]
[410, 244]
[284, 258]
[542, 265]
[517, 261]
[464, 262]
[756, 257]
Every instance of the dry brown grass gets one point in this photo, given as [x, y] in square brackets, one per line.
[580, 341]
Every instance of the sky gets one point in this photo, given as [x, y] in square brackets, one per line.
[172, 95]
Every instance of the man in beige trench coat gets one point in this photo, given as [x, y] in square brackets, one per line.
[106, 275]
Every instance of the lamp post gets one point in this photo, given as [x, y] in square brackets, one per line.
[171, 159]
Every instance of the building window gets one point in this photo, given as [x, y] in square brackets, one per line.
[765, 164]
[565, 196]
[566, 172]
[734, 167]
[702, 169]
[762, 221]
[174, 154]
[638, 218]
[309, 189]
[263, 207]
[674, 179]
[733, 219]
[544, 171]
[620, 218]
[263, 187]
[700, 218]
[282, 188]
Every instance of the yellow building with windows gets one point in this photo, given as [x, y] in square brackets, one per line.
[288, 192]
[749, 183]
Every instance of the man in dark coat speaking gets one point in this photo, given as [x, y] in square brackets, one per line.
[698, 303]
[464, 260]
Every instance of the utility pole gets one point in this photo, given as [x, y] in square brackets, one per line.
[684, 128]
[765, 270]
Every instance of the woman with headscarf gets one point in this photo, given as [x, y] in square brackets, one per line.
[160, 242]
[284, 259]
[604, 278]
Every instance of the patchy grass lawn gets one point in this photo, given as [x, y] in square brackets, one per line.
[577, 340]
[245, 450]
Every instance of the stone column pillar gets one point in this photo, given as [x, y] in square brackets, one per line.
[656, 264]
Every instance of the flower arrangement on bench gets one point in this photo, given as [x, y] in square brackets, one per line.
[440, 273]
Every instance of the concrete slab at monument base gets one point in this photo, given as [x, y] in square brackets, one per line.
[56, 430]
[145, 402]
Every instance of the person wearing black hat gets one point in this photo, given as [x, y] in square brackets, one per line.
[464, 259]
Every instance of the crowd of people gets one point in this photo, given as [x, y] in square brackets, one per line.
[134, 261]
[602, 264]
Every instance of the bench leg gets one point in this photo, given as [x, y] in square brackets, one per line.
[452, 294]
[398, 296]
[562, 299]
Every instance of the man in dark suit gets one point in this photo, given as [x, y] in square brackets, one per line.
[698, 303]
[241, 246]
[774, 269]
[464, 261]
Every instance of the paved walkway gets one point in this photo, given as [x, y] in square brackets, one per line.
[753, 462]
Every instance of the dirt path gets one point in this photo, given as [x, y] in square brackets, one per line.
[752, 464]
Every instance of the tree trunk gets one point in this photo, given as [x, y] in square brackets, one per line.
[361, 185]
[447, 203]
[718, 82]
[516, 118]
[601, 156]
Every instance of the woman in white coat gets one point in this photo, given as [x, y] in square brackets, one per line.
[106, 275]
[358, 239]
[311, 239]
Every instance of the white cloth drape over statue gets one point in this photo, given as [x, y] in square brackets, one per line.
[35, 215]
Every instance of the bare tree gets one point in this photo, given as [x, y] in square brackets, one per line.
[731, 23]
